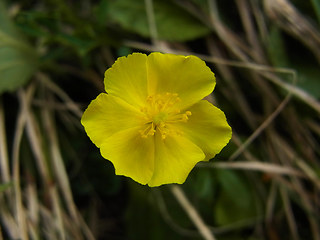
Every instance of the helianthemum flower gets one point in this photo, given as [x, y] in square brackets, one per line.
[152, 123]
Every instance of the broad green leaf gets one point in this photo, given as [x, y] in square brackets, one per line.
[235, 202]
[172, 22]
[18, 60]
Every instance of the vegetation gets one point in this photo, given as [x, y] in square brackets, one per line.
[265, 184]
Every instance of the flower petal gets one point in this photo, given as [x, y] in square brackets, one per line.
[207, 127]
[175, 157]
[127, 79]
[188, 76]
[131, 155]
[107, 115]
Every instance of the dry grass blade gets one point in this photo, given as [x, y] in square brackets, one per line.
[33, 209]
[4, 160]
[234, 95]
[57, 90]
[255, 166]
[28, 223]
[287, 17]
[60, 171]
[297, 186]
[314, 126]
[166, 216]
[151, 21]
[290, 154]
[58, 165]
[309, 208]
[260, 20]
[308, 171]
[246, 153]
[231, 40]
[9, 223]
[57, 212]
[289, 214]
[35, 139]
[192, 213]
[24, 98]
[296, 91]
[49, 225]
[248, 23]
[191, 233]
[258, 131]
[271, 202]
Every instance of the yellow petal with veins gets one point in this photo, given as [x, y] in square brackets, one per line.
[174, 158]
[107, 115]
[131, 155]
[127, 79]
[207, 128]
[188, 76]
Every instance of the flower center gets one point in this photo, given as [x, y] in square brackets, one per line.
[160, 114]
[160, 117]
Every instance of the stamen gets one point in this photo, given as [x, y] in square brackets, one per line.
[162, 131]
[183, 117]
[148, 131]
[159, 113]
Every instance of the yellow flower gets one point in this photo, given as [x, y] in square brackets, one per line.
[152, 124]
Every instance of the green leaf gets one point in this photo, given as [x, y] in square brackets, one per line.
[18, 60]
[308, 78]
[202, 182]
[307, 69]
[5, 186]
[100, 12]
[316, 6]
[276, 48]
[81, 45]
[235, 202]
[172, 22]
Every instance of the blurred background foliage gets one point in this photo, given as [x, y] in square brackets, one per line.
[263, 185]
